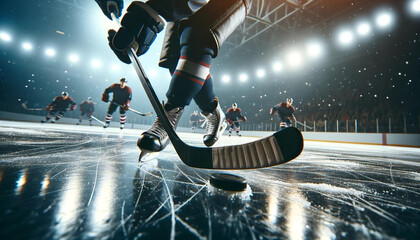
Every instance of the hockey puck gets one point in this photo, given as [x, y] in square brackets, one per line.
[228, 182]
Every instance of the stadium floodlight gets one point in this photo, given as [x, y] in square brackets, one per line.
[384, 19]
[414, 7]
[363, 28]
[115, 67]
[226, 78]
[27, 46]
[95, 63]
[260, 73]
[277, 66]
[345, 37]
[294, 58]
[50, 52]
[74, 58]
[314, 49]
[5, 37]
[243, 77]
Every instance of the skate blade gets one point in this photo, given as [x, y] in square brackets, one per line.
[146, 156]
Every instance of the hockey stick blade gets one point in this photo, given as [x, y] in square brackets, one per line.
[278, 148]
[31, 109]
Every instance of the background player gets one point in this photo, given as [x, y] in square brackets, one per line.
[86, 108]
[233, 116]
[195, 32]
[121, 97]
[60, 104]
[194, 121]
[285, 113]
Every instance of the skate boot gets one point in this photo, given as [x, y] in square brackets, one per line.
[215, 126]
[53, 121]
[230, 131]
[122, 126]
[106, 125]
[156, 139]
[44, 121]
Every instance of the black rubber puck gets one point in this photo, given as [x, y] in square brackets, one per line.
[228, 182]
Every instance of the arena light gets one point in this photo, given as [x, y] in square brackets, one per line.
[294, 59]
[384, 19]
[414, 7]
[260, 73]
[115, 67]
[345, 37]
[314, 49]
[243, 77]
[95, 63]
[74, 58]
[363, 28]
[225, 79]
[50, 52]
[5, 37]
[277, 66]
[27, 46]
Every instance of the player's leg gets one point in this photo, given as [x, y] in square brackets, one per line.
[111, 109]
[123, 117]
[238, 128]
[49, 116]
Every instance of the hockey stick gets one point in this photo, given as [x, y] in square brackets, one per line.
[281, 147]
[135, 111]
[99, 121]
[31, 109]
[303, 125]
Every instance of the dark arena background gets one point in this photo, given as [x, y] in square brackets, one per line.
[351, 67]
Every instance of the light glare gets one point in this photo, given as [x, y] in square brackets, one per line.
[363, 29]
[5, 37]
[226, 79]
[27, 46]
[294, 59]
[277, 67]
[96, 63]
[345, 37]
[314, 49]
[260, 73]
[73, 58]
[243, 77]
[384, 19]
[50, 52]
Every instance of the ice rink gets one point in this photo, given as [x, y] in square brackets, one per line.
[61, 181]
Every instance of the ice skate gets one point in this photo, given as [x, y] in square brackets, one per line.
[122, 126]
[52, 121]
[106, 125]
[215, 125]
[156, 139]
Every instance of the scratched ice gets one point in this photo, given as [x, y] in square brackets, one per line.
[78, 182]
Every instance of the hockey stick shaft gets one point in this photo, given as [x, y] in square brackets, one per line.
[303, 125]
[99, 121]
[135, 111]
[31, 109]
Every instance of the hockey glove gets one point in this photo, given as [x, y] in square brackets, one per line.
[139, 28]
[243, 118]
[126, 106]
[272, 111]
[50, 108]
[105, 97]
[111, 6]
[229, 122]
[73, 107]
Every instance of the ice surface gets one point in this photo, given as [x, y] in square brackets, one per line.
[78, 182]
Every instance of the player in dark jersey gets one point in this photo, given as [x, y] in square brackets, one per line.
[194, 121]
[233, 116]
[59, 105]
[86, 108]
[195, 32]
[285, 113]
[121, 98]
